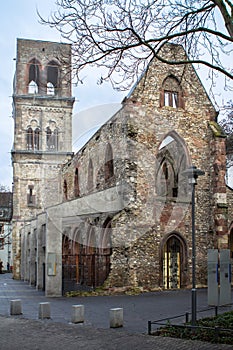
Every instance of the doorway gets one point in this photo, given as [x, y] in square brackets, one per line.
[174, 275]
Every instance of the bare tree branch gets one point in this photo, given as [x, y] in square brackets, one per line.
[122, 36]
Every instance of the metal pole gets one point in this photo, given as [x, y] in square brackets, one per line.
[194, 294]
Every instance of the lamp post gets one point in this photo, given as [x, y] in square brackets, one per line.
[192, 173]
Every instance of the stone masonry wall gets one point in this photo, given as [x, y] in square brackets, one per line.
[136, 133]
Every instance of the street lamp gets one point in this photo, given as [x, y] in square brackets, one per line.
[192, 173]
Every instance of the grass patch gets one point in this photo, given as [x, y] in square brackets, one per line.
[221, 330]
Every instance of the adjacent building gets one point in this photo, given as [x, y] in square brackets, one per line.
[6, 209]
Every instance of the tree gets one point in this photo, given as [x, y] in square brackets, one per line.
[227, 119]
[4, 188]
[123, 36]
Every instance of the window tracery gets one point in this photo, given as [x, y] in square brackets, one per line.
[33, 136]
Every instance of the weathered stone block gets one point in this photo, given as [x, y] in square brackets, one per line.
[116, 317]
[16, 307]
[77, 315]
[44, 310]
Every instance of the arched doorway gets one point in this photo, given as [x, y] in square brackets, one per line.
[174, 262]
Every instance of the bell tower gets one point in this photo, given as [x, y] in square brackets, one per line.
[42, 112]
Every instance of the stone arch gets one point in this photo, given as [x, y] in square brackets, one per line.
[33, 81]
[90, 176]
[52, 78]
[173, 261]
[171, 160]
[108, 164]
[76, 183]
[105, 252]
[52, 136]
[106, 237]
[33, 135]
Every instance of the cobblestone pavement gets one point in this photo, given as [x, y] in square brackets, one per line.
[26, 332]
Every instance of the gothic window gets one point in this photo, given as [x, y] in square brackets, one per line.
[36, 138]
[33, 138]
[34, 77]
[52, 78]
[30, 196]
[76, 183]
[108, 168]
[65, 189]
[172, 159]
[166, 177]
[29, 138]
[171, 94]
[52, 138]
[90, 184]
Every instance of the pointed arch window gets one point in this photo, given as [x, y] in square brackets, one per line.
[90, 183]
[76, 183]
[52, 78]
[33, 76]
[37, 139]
[171, 94]
[167, 179]
[33, 138]
[29, 138]
[52, 139]
[172, 159]
[108, 168]
[65, 189]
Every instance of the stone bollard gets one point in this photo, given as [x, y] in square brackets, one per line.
[44, 310]
[116, 318]
[77, 315]
[16, 307]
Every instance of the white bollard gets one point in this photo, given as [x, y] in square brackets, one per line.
[16, 307]
[116, 318]
[77, 315]
[44, 310]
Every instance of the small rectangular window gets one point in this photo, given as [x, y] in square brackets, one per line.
[30, 196]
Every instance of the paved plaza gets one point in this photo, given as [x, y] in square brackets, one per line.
[26, 331]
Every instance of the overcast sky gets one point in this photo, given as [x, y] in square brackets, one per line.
[18, 19]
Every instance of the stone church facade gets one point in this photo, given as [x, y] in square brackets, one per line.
[118, 212]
